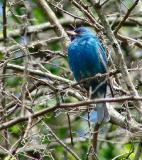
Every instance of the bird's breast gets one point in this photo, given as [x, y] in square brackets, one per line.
[84, 59]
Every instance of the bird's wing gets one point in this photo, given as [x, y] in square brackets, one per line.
[102, 54]
[93, 57]
[73, 60]
[86, 58]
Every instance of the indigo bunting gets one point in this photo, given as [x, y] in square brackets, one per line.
[86, 58]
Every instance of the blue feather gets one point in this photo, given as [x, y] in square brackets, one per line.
[87, 57]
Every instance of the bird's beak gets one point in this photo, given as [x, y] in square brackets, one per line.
[71, 33]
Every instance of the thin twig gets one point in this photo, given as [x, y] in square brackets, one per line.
[39, 73]
[30, 45]
[54, 21]
[61, 142]
[115, 116]
[126, 16]
[96, 25]
[139, 151]
[95, 137]
[70, 130]
[121, 62]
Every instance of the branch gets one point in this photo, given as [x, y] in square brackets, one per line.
[54, 21]
[61, 142]
[121, 62]
[128, 39]
[39, 28]
[64, 21]
[139, 151]
[116, 117]
[126, 16]
[38, 73]
[96, 25]
[30, 45]
[55, 77]
[68, 13]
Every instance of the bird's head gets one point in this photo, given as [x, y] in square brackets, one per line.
[79, 32]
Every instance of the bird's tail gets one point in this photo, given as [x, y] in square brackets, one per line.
[102, 113]
[101, 108]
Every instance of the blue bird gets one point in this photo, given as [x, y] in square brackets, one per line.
[86, 58]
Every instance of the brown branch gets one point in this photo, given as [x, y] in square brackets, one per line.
[50, 75]
[120, 58]
[30, 45]
[70, 130]
[38, 73]
[95, 137]
[65, 22]
[40, 28]
[115, 116]
[130, 40]
[139, 151]
[66, 141]
[126, 16]
[103, 3]
[96, 25]
[54, 21]
[61, 142]
[18, 100]
[96, 77]
[68, 13]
